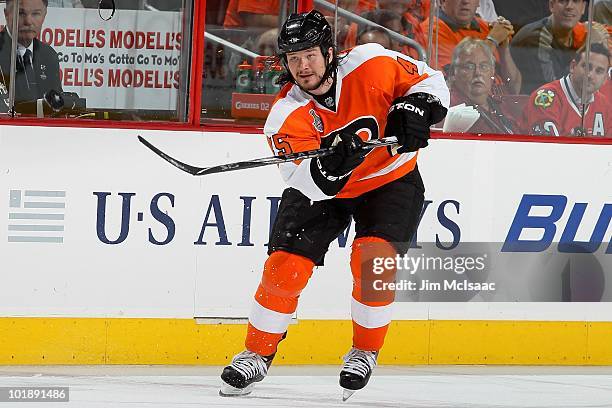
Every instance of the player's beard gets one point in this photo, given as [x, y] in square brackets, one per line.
[310, 83]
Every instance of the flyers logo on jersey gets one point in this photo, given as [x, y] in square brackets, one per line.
[544, 98]
[317, 123]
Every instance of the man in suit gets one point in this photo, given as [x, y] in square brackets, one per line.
[37, 68]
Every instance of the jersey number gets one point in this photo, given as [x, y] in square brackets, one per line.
[281, 145]
[410, 67]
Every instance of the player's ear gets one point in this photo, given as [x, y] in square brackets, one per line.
[572, 66]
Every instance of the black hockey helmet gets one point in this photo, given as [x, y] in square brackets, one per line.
[303, 31]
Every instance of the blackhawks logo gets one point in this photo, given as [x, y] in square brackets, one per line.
[544, 98]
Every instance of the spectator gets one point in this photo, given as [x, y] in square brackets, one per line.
[37, 70]
[386, 18]
[374, 35]
[543, 49]
[251, 13]
[346, 32]
[417, 10]
[555, 108]
[471, 78]
[397, 6]
[390, 19]
[602, 13]
[412, 13]
[266, 43]
[457, 20]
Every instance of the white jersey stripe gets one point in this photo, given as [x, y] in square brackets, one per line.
[370, 317]
[403, 159]
[267, 320]
[300, 178]
[282, 109]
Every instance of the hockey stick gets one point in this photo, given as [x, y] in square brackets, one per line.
[249, 164]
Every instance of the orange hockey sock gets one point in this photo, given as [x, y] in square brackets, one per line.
[285, 276]
[372, 266]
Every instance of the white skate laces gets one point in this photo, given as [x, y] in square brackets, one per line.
[249, 364]
[359, 362]
[355, 374]
[246, 369]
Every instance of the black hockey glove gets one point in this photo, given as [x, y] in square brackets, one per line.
[347, 155]
[409, 119]
[331, 172]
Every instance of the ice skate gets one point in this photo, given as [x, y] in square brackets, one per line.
[246, 369]
[355, 374]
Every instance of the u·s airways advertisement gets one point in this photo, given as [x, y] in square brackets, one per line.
[97, 225]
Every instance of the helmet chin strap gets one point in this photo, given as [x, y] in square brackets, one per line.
[328, 71]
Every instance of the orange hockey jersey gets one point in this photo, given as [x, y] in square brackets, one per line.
[369, 78]
[554, 109]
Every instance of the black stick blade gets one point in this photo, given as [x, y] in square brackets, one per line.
[176, 163]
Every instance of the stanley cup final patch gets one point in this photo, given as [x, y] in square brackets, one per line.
[317, 122]
[544, 98]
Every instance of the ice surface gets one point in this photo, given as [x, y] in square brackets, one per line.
[314, 386]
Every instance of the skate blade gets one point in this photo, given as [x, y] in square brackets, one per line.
[346, 394]
[229, 391]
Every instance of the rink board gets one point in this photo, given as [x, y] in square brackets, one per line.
[136, 249]
[182, 341]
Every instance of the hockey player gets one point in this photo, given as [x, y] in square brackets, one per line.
[339, 100]
[555, 108]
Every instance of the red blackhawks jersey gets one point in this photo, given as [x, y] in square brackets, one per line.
[369, 78]
[554, 109]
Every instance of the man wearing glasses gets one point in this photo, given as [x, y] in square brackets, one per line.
[471, 79]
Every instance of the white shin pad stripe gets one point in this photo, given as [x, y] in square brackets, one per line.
[268, 320]
[370, 317]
